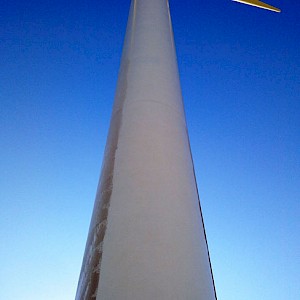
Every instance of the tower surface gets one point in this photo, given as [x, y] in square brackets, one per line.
[146, 239]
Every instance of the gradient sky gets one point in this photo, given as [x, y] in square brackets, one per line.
[240, 75]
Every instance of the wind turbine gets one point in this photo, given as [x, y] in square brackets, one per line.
[147, 238]
[259, 4]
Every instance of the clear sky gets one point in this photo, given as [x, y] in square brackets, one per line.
[240, 75]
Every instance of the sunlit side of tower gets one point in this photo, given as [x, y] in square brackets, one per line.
[146, 239]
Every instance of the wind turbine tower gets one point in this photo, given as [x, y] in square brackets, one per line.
[146, 239]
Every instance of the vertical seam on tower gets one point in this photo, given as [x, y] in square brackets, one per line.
[91, 268]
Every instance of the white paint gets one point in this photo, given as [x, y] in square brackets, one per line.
[154, 244]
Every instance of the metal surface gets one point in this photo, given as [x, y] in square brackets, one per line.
[146, 238]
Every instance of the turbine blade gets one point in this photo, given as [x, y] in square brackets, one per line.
[259, 4]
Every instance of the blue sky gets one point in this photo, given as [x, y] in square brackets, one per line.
[240, 76]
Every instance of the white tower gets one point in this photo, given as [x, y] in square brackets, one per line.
[146, 239]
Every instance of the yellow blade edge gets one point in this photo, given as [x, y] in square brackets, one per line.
[259, 4]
